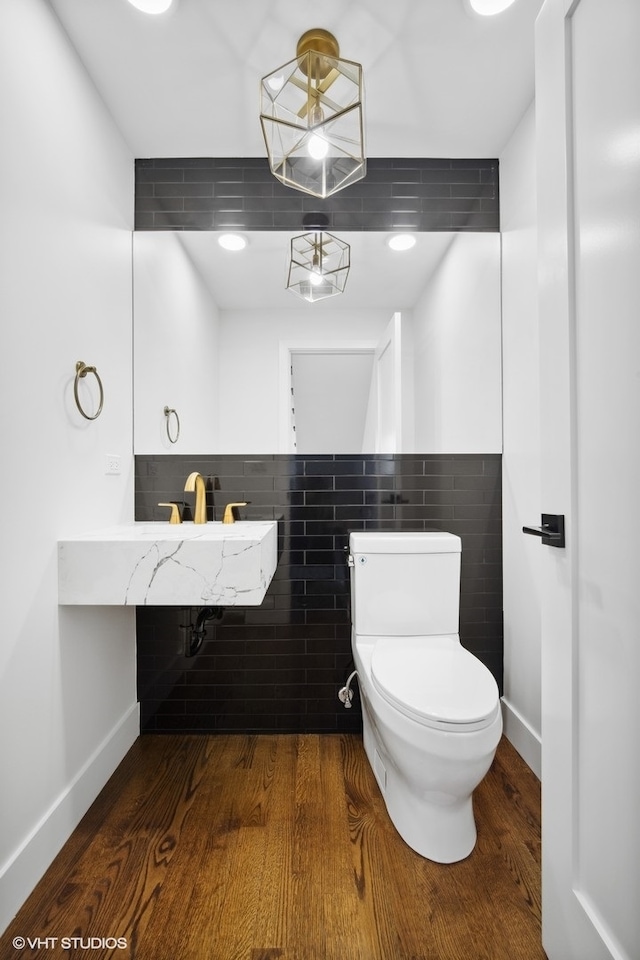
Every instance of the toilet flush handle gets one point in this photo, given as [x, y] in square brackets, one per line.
[351, 560]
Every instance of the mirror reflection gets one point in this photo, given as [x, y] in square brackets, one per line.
[406, 360]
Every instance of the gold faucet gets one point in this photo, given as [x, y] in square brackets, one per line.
[228, 511]
[195, 481]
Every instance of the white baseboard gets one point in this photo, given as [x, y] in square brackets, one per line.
[523, 737]
[35, 854]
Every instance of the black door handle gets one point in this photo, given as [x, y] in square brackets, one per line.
[551, 531]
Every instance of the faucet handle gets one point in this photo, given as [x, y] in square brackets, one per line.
[175, 512]
[228, 510]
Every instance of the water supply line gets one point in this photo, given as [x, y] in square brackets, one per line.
[345, 694]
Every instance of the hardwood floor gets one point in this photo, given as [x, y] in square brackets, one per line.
[241, 847]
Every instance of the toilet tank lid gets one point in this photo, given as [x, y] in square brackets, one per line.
[398, 541]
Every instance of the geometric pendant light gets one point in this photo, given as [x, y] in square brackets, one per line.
[319, 263]
[311, 112]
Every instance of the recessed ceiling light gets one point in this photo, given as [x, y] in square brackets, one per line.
[487, 8]
[402, 241]
[151, 6]
[232, 241]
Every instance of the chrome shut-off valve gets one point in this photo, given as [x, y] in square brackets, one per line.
[345, 694]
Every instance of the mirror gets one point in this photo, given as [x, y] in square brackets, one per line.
[219, 339]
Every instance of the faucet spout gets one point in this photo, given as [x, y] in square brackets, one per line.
[195, 481]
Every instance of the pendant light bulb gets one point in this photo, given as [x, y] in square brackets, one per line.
[317, 147]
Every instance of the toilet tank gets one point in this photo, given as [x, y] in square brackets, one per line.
[405, 584]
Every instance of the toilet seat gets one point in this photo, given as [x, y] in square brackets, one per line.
[436, 682]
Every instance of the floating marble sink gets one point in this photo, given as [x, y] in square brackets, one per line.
[163, 564]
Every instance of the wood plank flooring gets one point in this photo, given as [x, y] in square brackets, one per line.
[242, 847]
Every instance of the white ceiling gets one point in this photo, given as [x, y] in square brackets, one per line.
[439, 81]
[379, 279]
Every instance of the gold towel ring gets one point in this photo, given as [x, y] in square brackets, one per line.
[167, 412]
[81, 371]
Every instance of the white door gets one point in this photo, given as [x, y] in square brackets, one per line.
[383, 429]
[588, 134]
[329, 392]
[327, 387]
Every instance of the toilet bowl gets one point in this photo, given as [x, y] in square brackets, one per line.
[431, 710]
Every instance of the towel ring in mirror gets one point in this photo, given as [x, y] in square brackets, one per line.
[82, 369]
[169, 412]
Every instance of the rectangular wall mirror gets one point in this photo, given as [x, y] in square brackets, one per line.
[407, 359]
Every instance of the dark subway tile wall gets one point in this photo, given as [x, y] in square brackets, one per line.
[242, 194]
[278, 667]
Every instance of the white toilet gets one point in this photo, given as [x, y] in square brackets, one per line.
[431, 710]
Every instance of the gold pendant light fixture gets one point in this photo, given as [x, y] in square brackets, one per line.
[319, 263]
[311, 114]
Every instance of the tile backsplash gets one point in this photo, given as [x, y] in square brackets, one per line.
[421, 194]
[278, 667]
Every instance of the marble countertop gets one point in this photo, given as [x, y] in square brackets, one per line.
[163, 564]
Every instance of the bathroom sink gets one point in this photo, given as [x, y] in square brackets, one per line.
[163, 564]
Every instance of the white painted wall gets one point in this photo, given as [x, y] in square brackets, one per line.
[175, 349]
[250, 372]
[456, 337]
[521, 460]
[68, 709]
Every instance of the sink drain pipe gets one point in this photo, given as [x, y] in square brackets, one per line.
[195, 639]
